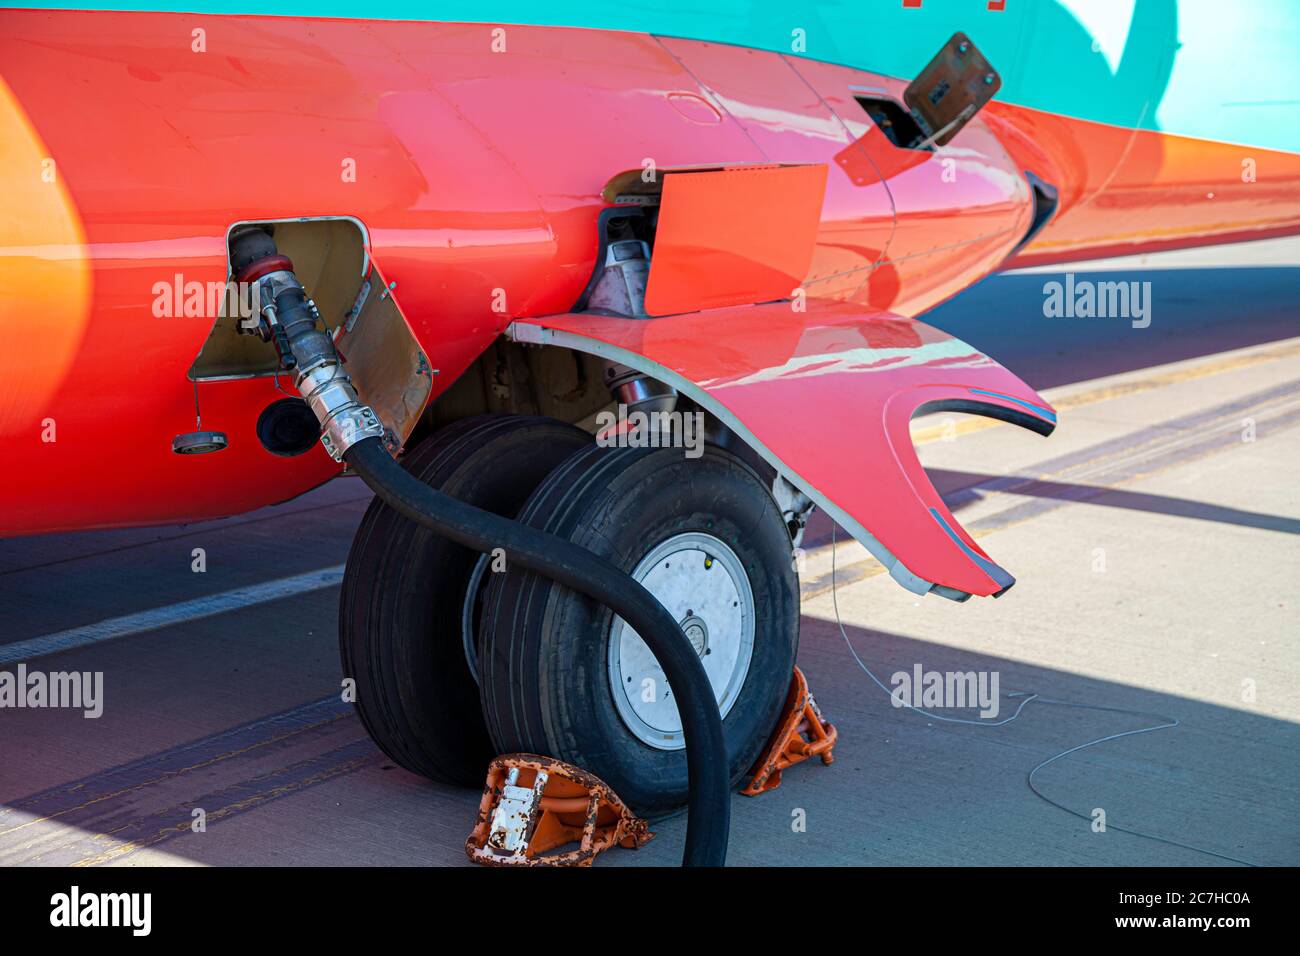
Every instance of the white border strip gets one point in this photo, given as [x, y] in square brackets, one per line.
[169, 615]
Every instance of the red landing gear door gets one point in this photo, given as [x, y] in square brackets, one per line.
[826, 397]
[717, 242]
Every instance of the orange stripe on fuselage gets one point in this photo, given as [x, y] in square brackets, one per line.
[1126, 191]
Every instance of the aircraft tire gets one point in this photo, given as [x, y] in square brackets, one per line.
[403, 595]
[562, 676]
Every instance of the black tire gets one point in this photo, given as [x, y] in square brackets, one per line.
[400, 634]
[543, 649]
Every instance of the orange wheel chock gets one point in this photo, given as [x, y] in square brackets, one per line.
[533, 804]
[802, 733]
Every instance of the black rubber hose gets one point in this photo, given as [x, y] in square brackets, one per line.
[575, 567]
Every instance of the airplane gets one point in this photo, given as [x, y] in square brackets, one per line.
[237, 246]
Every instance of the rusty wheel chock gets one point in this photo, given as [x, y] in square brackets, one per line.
[532, 805]
[802, 733]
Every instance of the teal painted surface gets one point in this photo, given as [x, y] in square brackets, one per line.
[1198, 68]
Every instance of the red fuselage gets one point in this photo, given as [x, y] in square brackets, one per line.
[474, 173]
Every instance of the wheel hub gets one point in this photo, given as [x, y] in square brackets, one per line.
[703, 584]
[697, 632]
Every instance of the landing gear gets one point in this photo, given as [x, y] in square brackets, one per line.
[561, 676]
[403, 593]
[459, 657]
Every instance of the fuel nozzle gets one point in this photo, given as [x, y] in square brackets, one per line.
[278, 298]
[286, 317]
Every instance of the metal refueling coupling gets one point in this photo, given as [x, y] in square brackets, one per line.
[344, 420]
[290, 320]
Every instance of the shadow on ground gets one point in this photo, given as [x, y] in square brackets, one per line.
[306, 786]
[1193, 312]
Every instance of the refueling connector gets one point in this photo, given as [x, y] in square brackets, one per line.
[287, 318]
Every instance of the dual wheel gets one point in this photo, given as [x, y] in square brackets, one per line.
[458, 657]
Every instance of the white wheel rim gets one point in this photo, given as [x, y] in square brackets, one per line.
[704, 586]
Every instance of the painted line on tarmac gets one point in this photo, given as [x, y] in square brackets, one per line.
[1091, 481]
[1094, 471]
[170, 614]
[923, 434]
[207, 528]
